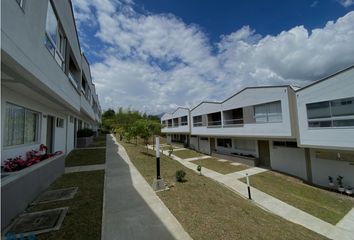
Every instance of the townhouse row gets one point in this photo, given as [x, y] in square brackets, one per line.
[307, 132]
[47, 93]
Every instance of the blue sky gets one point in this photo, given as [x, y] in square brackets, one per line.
[156, 55]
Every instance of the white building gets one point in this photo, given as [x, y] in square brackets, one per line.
[307, 133]
[47, 92]
[326, 126]
[177, 126]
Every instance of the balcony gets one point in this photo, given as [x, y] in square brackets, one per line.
[214, 120]
[233, 118]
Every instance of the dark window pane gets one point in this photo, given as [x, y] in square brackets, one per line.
[343, 123]
[320, 124]
[342, 107]
[318, 110]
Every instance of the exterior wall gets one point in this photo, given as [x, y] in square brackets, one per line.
[194, 143]
[322, 168]
[22, 38]
[169, 139]
[289, 160]
[10, 96]
[204, 146]
[336, 87]
[247, 98]
[180, 112]
[252, 147]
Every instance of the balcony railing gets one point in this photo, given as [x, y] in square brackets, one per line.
[184, 123]
[198, 124]
[175, 125]
[214, 123]
[169, 126]
[233, 122]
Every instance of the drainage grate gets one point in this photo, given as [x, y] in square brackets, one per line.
[56, 195]
[37, 222]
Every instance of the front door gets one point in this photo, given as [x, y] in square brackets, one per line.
[264, 155]
[50, 133]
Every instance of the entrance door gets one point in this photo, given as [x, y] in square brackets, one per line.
[50, 133]
[264, 156]
[212, 145]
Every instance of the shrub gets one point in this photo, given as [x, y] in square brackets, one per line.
[180, 174]
[85, 132]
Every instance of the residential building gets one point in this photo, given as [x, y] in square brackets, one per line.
[177, 126]
[307, 133]
[47, 93]
[325, 112]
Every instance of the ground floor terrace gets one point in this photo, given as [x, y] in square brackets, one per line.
[29, 121]
[314, 165]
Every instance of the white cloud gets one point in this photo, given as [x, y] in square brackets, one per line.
[346, 3]
[156, 62]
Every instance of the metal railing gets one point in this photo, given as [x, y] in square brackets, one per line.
[214, 123]
[184, 123]
[235, 121]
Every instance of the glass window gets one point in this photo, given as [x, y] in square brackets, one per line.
[224, 142]
[51, 23]
[197, 121]
[318, 110]
[60, 122]
[342, 107]
[269, 112]
[21, 125]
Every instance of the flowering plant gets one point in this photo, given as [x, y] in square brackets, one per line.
[32, 157]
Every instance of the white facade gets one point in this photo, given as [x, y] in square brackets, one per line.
[338, 86]
[46, 86]
[179, 119]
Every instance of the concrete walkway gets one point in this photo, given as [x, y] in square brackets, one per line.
[131, 209]
[85, 168]
[344, 230]
[196, 158]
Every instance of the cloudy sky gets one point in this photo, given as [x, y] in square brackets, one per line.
[156, 55]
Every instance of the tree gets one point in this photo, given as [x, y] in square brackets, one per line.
[144, 131]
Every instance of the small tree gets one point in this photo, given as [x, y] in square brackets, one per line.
[144, 131]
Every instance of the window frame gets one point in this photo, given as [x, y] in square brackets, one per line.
[37, 132]
[330, 119]
[267, 113]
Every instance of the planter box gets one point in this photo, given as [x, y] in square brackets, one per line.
[19, 189]
[84, 141]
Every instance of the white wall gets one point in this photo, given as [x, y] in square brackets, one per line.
[70, 135]
[249, 97]
[194, 143]
[204, 146]
[179, 112]
[289, 160]
[322, 168]
[22, 100]
[169, 139]
[336, 87]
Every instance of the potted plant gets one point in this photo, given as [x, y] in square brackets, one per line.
[330, 182]
[340, 184]
[349, 190]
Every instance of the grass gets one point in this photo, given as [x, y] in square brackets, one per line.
[208, 210]
[186, 154]
[328, 206]
[84, 217]
[99, 141]
[82, 157]
[168, 147]
[220, 167]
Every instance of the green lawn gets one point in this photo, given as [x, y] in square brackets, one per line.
[328, 206]
[208, 210]
[186, 154]
[168, 147]
[84, 217]
[81, 157]
[99, 141]
[220, 167]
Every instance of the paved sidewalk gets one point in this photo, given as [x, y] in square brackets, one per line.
[85, 168]
[344, 230]
[196, 158]
[131, 209]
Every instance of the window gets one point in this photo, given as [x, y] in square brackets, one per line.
[335, 113]
[60, 122]
[284, 144]
[197, 121]
[224, 142]
[184, 120]
[269, 112]
[55, 39]
[71, 119]
[21, 125]
[204, 139]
